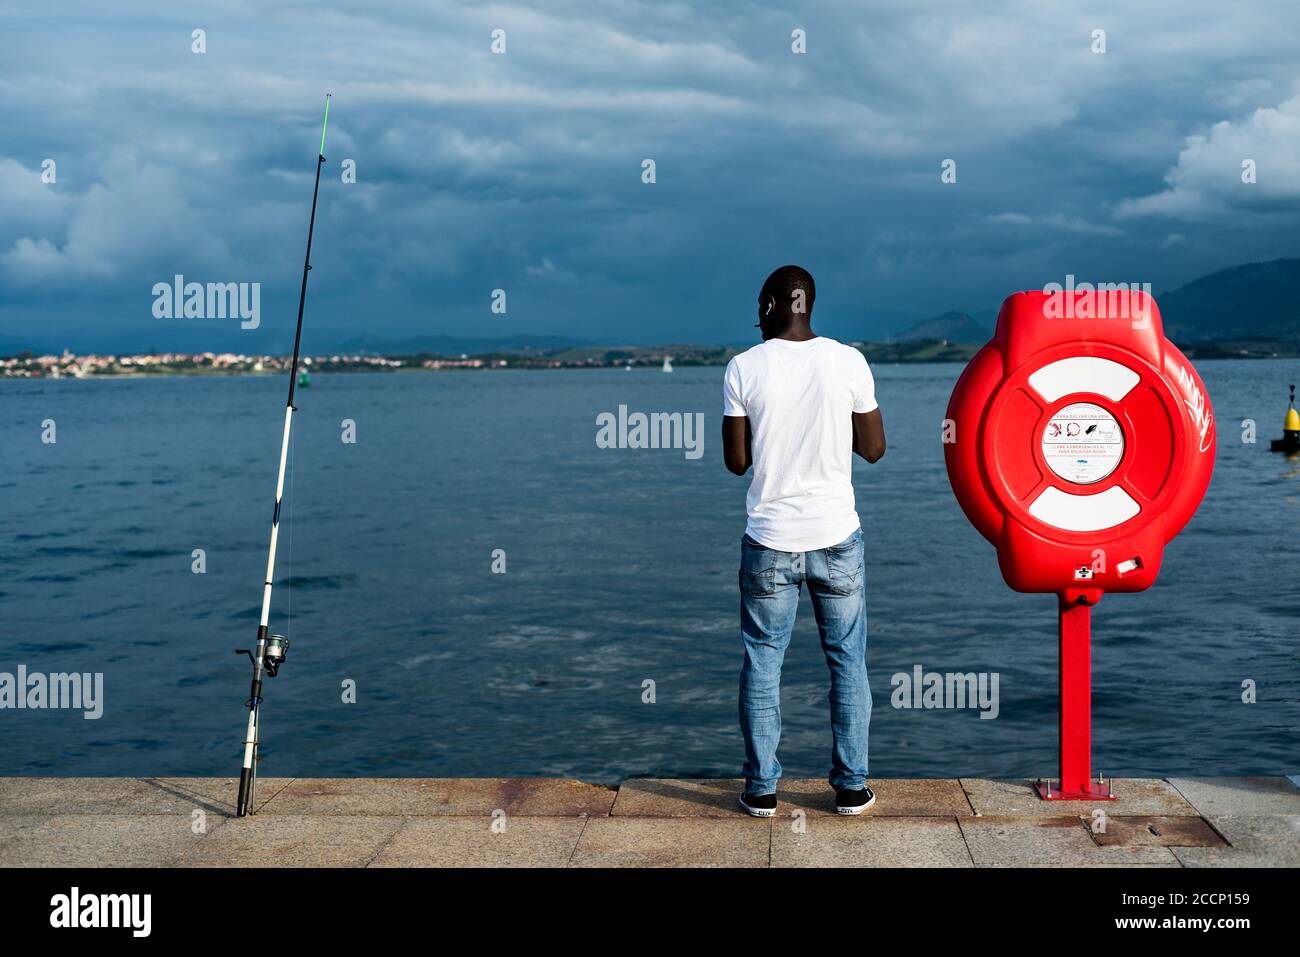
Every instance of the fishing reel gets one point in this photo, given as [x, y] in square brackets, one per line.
[277, 646]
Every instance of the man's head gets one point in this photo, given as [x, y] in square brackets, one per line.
[786, 301]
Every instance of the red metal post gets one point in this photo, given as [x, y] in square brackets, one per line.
[1076, 783]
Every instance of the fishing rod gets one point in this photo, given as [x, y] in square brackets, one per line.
[268, 655]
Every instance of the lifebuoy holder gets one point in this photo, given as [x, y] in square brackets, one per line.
[1079, 441]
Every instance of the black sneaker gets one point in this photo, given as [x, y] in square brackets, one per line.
[854, 802]
[759, 805]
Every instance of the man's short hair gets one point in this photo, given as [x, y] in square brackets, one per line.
[784, 284]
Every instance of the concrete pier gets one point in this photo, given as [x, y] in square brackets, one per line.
[550, 822]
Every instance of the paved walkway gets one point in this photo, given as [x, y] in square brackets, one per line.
[549, 822]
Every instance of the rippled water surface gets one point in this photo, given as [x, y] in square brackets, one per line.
[621, 569]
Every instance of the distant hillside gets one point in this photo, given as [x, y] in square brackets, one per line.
[1251, 302]
[949, 326]
[454, 345]
[919, 350]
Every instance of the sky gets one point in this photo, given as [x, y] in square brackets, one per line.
[523, 170]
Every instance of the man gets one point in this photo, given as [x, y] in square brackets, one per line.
[796, 407]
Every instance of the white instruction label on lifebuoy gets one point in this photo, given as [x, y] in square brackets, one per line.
[1083, 443]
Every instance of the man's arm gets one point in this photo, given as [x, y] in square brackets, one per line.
[737, 447]
[868, 435]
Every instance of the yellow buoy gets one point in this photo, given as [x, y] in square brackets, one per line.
[1290, 441]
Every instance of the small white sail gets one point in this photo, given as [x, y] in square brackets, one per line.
[668, 363]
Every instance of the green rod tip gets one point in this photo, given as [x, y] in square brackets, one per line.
[325, 124]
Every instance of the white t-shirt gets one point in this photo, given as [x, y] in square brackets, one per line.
[799, 398]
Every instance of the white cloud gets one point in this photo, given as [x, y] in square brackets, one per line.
[1057, 222]
[137, 215]
[1207, 178]
[28, 203]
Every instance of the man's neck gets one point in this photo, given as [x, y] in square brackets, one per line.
[798, 334]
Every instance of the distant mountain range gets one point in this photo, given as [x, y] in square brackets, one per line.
[949, 326]
[1257, 302]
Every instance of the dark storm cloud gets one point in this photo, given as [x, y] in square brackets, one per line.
[522, 171]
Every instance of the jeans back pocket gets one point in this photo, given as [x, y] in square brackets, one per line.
[844, 566]
[757, 569]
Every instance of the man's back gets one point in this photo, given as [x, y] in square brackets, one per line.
[797, 408]
[799, 398]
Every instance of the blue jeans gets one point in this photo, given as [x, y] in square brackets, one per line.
[770, 582]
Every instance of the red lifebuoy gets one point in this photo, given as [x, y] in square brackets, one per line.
[1080, 445]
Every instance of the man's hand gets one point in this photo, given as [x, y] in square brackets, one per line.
[868, 435]
[737, 443]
